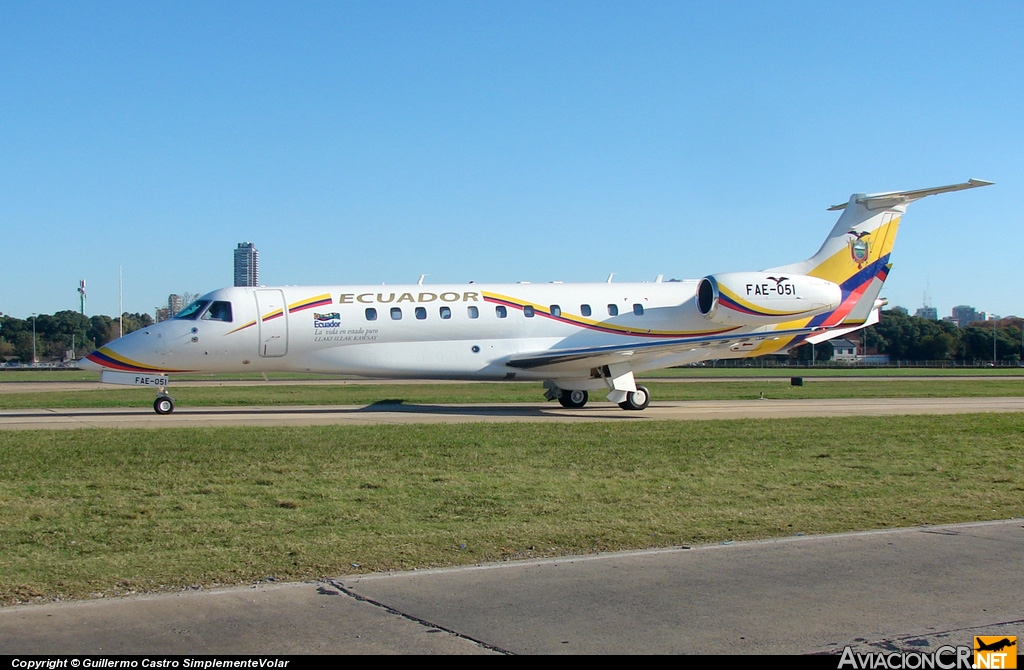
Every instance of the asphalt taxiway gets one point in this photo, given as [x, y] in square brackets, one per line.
[897, 590]
[397, 413]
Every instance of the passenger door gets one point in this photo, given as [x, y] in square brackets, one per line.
[273, 322]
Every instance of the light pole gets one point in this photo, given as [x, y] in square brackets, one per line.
[994, 325]
[34, 361]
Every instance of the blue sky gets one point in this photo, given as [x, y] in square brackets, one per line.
[370, 142]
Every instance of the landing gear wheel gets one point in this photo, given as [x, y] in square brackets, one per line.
[164, 404]
[573, 399]
[637, 400]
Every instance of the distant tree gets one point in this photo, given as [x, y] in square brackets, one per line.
[135, 321]
[909, 338]
[18, 334]
[977, 343]
[11, 330]
[69, 327]
[821, 352]
[934, 347]
[102, 329]
[55, 333]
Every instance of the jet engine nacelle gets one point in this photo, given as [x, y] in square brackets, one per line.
[758, 298]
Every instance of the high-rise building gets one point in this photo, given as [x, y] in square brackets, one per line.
[175, 303]
[927, 312]
[965, 314]
[247, 265]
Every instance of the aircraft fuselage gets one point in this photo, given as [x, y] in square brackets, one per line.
[465, 331]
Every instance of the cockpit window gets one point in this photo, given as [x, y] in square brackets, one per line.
[220, 310]
[193, 311]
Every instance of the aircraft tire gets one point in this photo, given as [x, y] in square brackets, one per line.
[637, 400]
[163, 404]
[573, 399]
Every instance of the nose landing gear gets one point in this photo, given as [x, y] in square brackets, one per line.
[164, 404]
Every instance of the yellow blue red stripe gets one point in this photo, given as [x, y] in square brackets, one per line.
[730, 300]
[316, 301]
[242, 327]
[600, 326]
[305, 303]
[108, 359]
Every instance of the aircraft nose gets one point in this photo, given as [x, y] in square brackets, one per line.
[87, 364]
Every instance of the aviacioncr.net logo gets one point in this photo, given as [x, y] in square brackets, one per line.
[943, 658]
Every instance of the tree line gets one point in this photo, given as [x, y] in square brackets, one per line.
[909, 338]
[56, 333]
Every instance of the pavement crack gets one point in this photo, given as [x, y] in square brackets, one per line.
[892, 644]
[423, 622]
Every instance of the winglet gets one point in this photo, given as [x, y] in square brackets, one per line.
[881, 200]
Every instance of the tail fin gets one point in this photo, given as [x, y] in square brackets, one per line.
[855, 254]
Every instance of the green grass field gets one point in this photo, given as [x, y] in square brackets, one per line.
[120, 511]
[354, 393]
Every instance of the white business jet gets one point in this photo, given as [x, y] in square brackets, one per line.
[576, 338]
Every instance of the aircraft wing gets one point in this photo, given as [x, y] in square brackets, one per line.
[580, 360]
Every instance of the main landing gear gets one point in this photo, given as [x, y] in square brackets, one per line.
[637, 400]
[575, 399]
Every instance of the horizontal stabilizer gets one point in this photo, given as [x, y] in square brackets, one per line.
[885, 200]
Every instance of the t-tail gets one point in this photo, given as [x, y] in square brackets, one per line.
[855, 255]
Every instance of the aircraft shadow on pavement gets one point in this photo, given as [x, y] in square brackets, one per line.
[380, 407]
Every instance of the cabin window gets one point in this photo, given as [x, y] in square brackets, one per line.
[220, 310]
[556, 310]
[446, 312]
[585, 310]
[192, 311]
[528, 311]
[474, 312]
[501, 311]
[613, 309]
[421, 313]
[638, 309]
[371, 313]
[396, 313]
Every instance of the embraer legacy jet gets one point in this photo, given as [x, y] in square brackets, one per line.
[576, 338]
